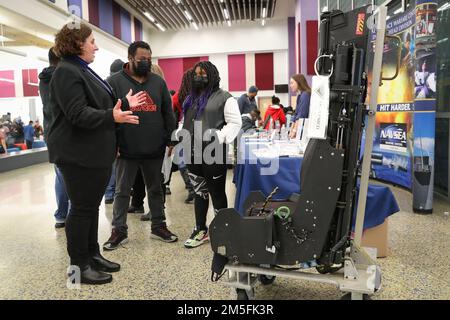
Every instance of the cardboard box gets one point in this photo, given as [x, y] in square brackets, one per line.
[377, 237]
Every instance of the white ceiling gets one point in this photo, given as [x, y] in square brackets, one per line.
[183, 14]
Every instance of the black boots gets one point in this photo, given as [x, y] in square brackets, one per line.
[93, 277]
[95, 272]
[99, 263]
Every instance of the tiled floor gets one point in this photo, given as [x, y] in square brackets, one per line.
[33, 256]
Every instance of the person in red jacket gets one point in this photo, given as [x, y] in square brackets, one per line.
[276, 113]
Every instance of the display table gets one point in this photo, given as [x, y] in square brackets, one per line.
[39, 144]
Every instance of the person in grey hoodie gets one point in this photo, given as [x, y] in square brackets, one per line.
[62, 199]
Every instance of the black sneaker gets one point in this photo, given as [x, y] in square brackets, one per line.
[163, 234]
[146, 217]
[133, 209]
[190, 197]
[60, 225]
[117, 239]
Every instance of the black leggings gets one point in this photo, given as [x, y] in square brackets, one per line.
[85, 187]
[208, 180]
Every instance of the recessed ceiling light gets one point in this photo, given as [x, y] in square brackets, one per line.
[229, 23]
[225, 12]
[263, 22]
[195, 25]
[160, 27]
[188, 15]
[149, 16]
[264, 12]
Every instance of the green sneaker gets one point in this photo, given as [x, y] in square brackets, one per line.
[197, 238]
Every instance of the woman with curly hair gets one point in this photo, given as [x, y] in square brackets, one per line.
[82, 143]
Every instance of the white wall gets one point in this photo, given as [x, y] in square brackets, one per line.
[219, 42]
[236, 39]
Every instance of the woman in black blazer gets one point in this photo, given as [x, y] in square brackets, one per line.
[82, 143]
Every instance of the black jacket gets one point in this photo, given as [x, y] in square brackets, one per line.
[156, 119]
[247, 123]
[83, 132]
[44, 90]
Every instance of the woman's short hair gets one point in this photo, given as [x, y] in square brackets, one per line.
[68, 40]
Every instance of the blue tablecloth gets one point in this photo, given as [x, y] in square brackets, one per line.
[247, 177]
[39, 144]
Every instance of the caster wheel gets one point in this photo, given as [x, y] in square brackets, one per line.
[266, 280]
[348, 296]
[242, 295]
[328, 269]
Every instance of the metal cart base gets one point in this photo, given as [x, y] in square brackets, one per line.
[359, 278]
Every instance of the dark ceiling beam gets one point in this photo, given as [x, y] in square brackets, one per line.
[239, 9]
[211, 11]
[274, 4]
[193, 12]
[163, 7]
[201, 7]
[218, 9]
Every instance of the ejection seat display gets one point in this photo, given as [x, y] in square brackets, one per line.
[314, 226]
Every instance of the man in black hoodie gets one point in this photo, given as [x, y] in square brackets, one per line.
[142, 146]
[62, 199]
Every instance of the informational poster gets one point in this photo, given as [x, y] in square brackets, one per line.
[393, 139]
[403, 151]
[424, 105]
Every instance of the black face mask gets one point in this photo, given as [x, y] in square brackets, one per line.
[199, 83]
[142, 68]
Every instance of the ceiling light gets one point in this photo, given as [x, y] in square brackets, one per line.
[225, 12]
[5, 39]
[263, 22]
[160, 27]
[187, 14]
[149, 16]
[264, 13]
[195, 25]
[178, 1]
[229, 23]
[445, 6]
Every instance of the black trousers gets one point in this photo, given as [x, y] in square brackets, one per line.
[208, 180]
[85, 187]
[138, 190]
[137, 200]
[29, 144]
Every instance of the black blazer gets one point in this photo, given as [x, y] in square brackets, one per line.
[83, 131]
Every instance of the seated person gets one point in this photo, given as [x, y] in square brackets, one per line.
[249, 120]
[3, 135]
[276, 113]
